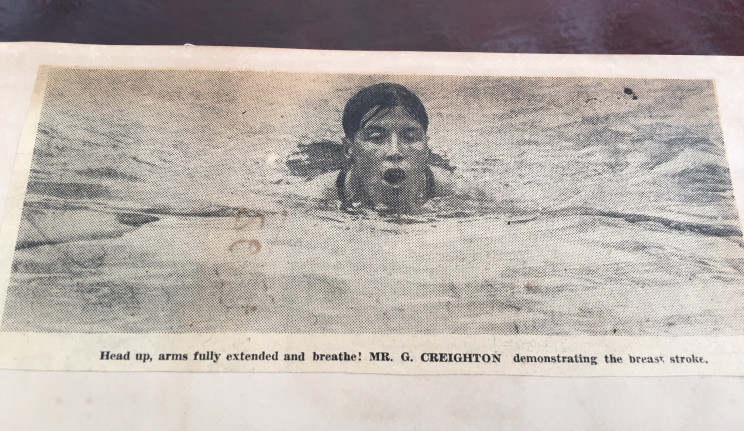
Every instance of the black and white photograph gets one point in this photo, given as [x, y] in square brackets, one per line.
[209, 201]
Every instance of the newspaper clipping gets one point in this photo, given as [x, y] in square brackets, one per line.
[243, 220]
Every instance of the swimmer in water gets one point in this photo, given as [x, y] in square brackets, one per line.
[386, 146]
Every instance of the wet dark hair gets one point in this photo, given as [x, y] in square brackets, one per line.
[381, 97]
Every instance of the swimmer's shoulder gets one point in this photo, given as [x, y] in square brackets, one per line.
[444, 181]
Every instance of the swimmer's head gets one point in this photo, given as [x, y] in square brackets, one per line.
[375, 99]
[385, 127]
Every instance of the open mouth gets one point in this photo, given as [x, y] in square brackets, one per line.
[394, 176]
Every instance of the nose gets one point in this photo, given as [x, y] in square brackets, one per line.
[394, 154]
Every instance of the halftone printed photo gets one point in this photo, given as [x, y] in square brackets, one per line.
[198, 201]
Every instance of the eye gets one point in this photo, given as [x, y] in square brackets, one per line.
[374, 135]
[412, 135]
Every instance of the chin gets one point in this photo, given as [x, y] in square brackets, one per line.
[393, 187]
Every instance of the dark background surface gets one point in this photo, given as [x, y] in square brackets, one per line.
[549, 26]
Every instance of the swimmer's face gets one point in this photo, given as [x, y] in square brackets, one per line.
[391, 149]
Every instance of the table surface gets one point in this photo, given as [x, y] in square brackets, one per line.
[709, 27]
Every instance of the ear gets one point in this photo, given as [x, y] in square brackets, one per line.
[347, 146]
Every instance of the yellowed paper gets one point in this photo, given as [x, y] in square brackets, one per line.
[209, 209]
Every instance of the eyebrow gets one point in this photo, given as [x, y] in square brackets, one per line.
[372, 129]
[414, 126]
